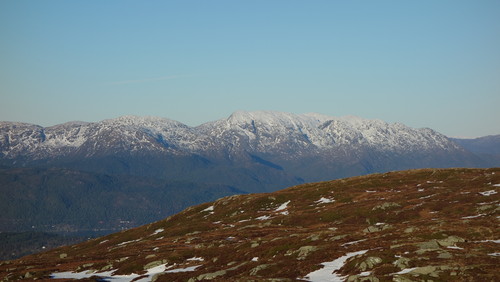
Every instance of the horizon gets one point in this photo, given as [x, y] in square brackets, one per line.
[426, 64]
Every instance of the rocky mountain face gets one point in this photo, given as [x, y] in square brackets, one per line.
[72, 165]
[418, 225]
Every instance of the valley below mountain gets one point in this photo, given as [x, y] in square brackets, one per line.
[416, 225]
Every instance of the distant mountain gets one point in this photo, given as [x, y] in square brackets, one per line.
[63, 200]
[488, 147]
[247, 152]
[419, 225]
[282, 141]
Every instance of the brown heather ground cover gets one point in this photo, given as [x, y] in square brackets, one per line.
[418, 225]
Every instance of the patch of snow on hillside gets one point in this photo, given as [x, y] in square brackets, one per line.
[157, 269]
[353, 242]
[487, 241]
[264, 217]
[80, 275]
[488, 193]
[327, 272]
[211, 208]
[366, 273]
[282, 206]
[158, 231]
[324, 200]
[128, 242]
[186, 269]
[472, 216]
[108, 275]
[496, 185]
[196, 259]
[406, 270]
[488, 203]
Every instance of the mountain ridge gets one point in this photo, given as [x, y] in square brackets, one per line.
[319, 131]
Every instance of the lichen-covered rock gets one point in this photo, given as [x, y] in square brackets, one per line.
[400, 278]
[445, 255]
[337, 237]
[428, 246]
[84, 266]
[314, 237]
[213, 275]
[410, 229]
[258, 268]
[304, 251]
[386, 205]
[376, 228]
[106, 267]
[450, 241]
[359, 278]
[426, 270]
[210, 276]
[154, 264]
[401, 262]
[430, 270]
[368, 263]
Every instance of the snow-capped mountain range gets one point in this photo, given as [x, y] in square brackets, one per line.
[255, 132]
[149, 167]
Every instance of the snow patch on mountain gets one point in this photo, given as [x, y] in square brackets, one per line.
[327, 273]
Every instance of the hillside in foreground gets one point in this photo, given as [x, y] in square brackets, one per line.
[418, 225]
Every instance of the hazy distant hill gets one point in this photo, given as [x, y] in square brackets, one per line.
[72, 201]
[131, 170]
[419, 225]
[483, 145]
[15, 245]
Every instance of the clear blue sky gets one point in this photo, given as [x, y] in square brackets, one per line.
[423, 63]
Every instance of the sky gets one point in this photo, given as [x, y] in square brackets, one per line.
[423, 63]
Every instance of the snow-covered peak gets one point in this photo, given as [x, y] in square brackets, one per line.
[242, 116]
[319, 118]
[271, 119]
[270, 131]
[142, 121]
[267, 132]
[70, 124]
